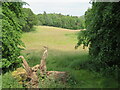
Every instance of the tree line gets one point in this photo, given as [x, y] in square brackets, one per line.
[63, 21]
[57, 20]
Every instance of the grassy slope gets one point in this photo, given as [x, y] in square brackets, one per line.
[62, 56]
[54, 38]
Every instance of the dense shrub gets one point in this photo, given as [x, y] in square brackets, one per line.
[8, 81]
[103, 34]
[11, 33]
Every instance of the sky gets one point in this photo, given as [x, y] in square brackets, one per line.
[65, 7]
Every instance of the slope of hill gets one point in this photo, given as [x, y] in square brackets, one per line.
[63, 57]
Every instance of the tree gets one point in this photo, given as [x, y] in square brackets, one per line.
[11, 33]
[103, 34]
[30, 19]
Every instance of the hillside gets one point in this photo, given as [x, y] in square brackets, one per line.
[63, 57]
[52, 37]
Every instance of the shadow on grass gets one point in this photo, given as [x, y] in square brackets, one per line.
[77, 64]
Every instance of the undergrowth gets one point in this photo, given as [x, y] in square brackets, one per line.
[83, 72]
[9, 82]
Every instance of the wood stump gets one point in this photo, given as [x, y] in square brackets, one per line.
[32, 72]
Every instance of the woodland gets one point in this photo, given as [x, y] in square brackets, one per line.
[81, 52]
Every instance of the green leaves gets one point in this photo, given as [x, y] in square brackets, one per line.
[102, 24]
[59, 20]
[28, 20]
[11, 33]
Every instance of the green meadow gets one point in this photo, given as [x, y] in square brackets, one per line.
[52, 37]
[62, 56]
[63, 50]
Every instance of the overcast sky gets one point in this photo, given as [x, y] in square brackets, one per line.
[66, 7]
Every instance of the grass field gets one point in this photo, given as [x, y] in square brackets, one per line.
[62, 57]
[52, 37]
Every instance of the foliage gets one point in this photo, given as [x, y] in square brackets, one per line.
[83, 39]
[11, 33]
[29, 20]
[9, 82]
[48, 82]
[59, 20]
[0, 34]
[102, 34]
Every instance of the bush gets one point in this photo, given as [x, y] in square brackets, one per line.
[102, 34]
[11, 33]
[9, 82]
